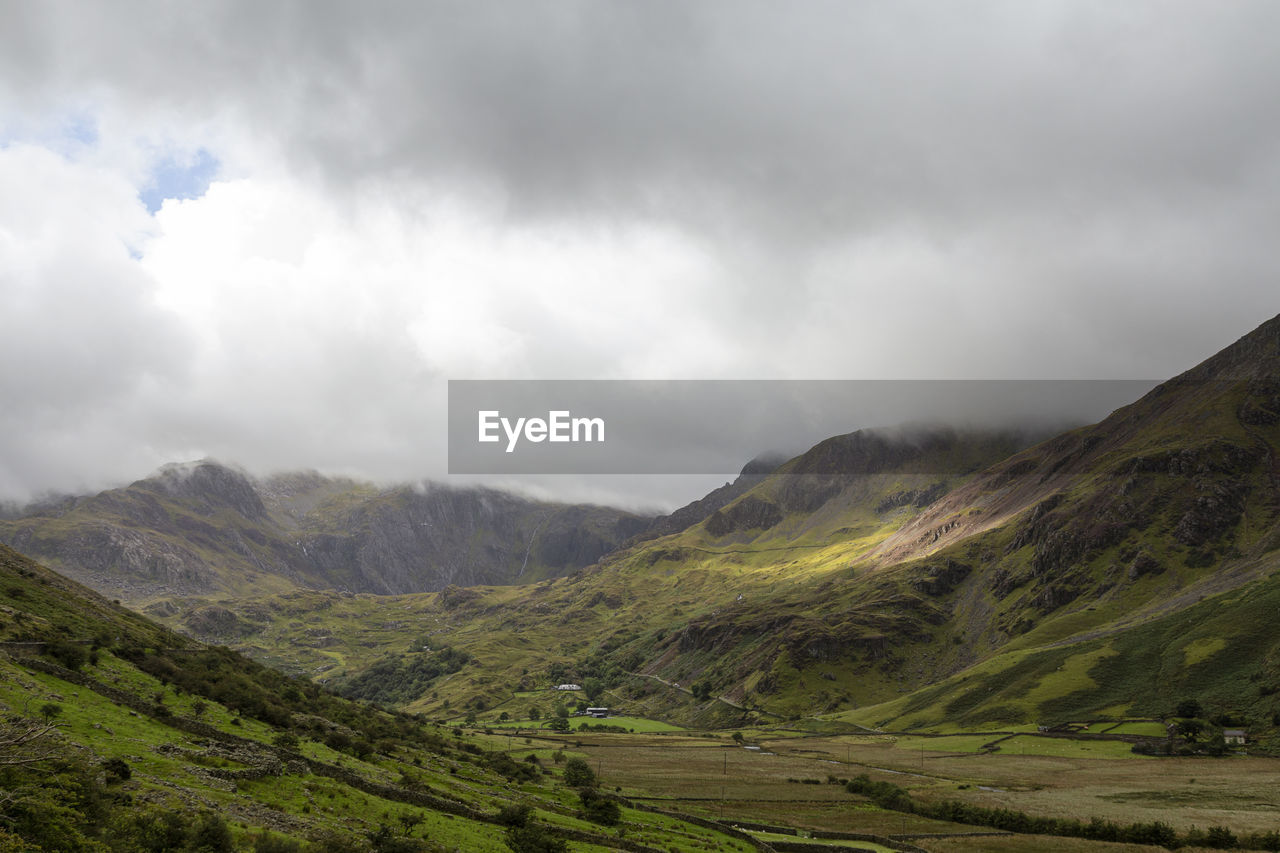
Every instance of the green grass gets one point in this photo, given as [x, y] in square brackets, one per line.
[172, 768]
[953, 743]
[1146, 727]
[1032, 745]
[824, 842]
[639, 725]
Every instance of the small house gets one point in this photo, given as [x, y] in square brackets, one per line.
[1233, 737]
[568, 687]
[598, 713]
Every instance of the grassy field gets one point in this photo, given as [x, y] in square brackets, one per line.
[948, 743]
[1035, 844]
[637, 725]
[1149, 728]
[1033, 745]
[826, 842]
[789, 781]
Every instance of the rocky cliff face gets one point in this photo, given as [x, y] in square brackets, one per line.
[205, 528]
[752, 474]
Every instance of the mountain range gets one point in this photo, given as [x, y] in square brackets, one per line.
[205, 527]
[910, 578]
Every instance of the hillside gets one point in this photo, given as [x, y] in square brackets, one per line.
[116, 734]
[207, 528]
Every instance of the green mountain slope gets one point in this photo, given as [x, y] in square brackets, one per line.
[116, 734]
[874, 566]
[203, 528]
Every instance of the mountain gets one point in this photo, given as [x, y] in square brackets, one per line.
[650, 605]
[695, 511]
[920, 577]
[914, 578]
[206, 528]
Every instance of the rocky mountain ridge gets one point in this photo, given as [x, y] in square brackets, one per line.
[205, 527]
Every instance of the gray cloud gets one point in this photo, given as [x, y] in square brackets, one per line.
[862, 190]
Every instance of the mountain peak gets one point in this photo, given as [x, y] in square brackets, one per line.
[212, 485]
[1254, 356]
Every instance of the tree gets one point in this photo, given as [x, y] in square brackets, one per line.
[534, 713]
[210, 833]
[578, 774]
[24, 741]
[593, 687]
[50, 711]
[1190, 729]
[1189, 708]
[599, 808]
[504, 716]
[409, 820]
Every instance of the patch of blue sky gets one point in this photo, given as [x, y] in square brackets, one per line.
[81, 128]
[67, 134]
[179, 177]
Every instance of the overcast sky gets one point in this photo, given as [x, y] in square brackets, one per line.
[269, 232]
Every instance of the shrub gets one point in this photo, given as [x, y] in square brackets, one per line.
[516, 814]
[286, 740]
[69, 654]
[268, 843]
[534, 838]
[578, 774]
[599, 808]
[210, 833]
[117, 770]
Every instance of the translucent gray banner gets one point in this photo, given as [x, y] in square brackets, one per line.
[715, 426]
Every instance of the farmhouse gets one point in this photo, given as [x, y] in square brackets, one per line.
[1233, 737]
[598, 713]
[568, 687]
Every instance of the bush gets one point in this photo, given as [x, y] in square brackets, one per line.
[286, 740]
[1220, 837]
[117, 770]
[69, 654]
[516, 814]
[534, 838]
[210, 833]
[599, 808]
[268, 843]
[578, 774]
[149, 829]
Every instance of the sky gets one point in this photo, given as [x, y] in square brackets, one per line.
[270, 233]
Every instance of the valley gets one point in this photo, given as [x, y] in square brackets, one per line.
[912, 635]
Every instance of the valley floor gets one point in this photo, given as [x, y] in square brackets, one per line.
[789, 780]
